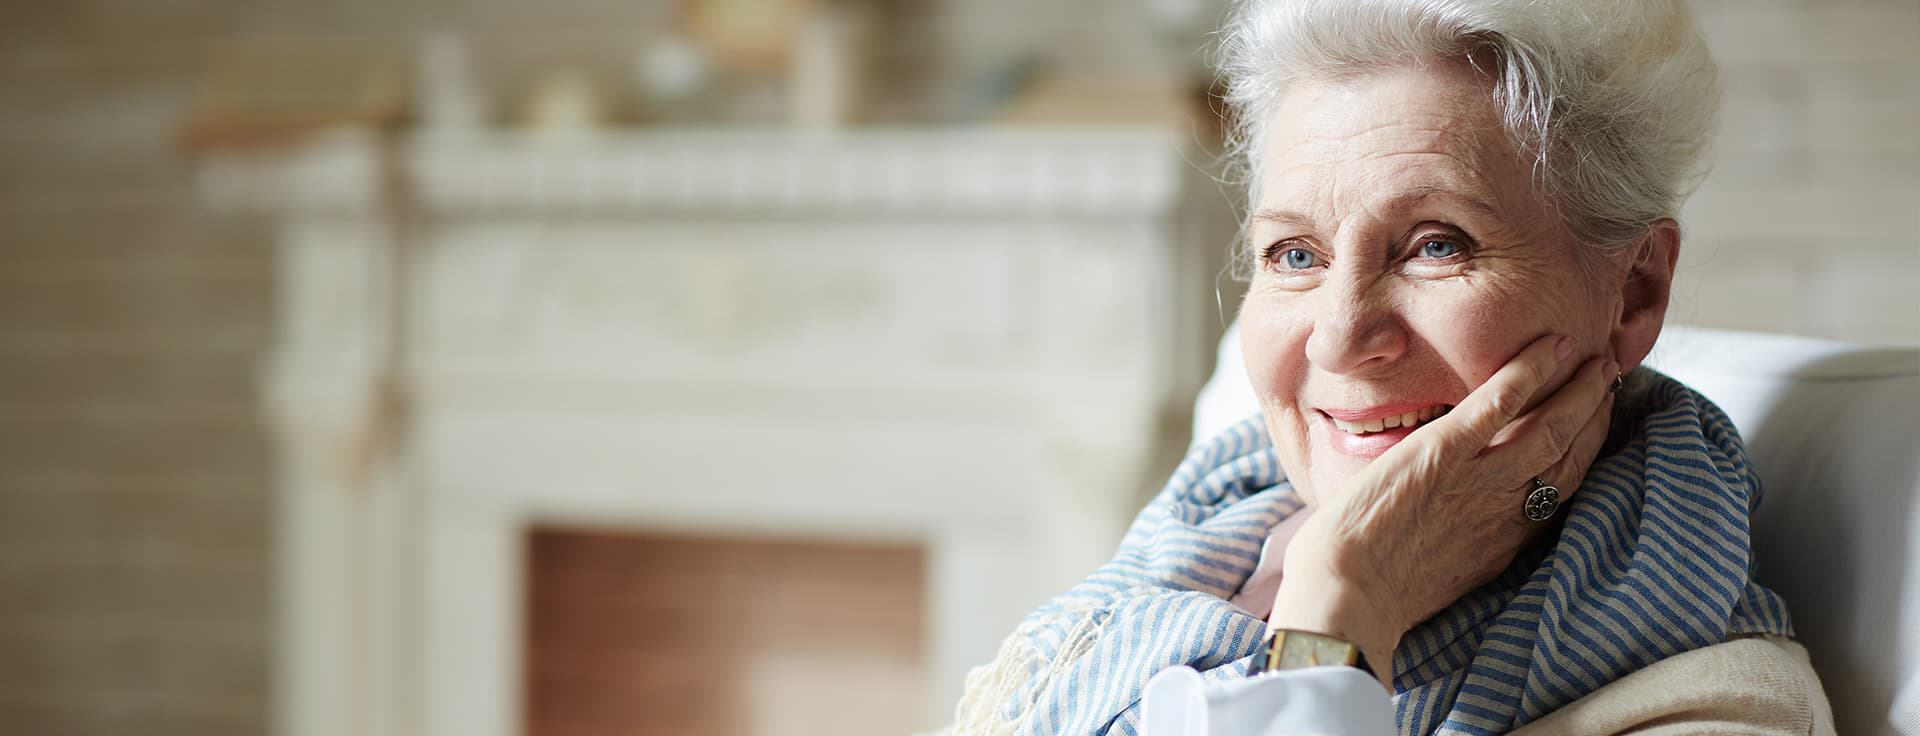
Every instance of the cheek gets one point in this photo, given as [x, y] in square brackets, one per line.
[1475, 333]
[1273, 339]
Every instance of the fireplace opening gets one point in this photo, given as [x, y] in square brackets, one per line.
[642, 633]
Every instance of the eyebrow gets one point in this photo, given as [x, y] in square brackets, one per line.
[1399, 203]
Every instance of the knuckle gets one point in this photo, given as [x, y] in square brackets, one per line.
[1561, 432]
[1509, 400]
[1540, 372]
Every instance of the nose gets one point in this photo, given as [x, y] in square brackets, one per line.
[1356, 329]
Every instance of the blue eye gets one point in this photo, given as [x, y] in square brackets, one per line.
[1439, 249]
[1299, 259]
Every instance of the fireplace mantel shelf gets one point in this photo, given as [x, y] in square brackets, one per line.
[1119, 172]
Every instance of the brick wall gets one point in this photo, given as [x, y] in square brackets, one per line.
[133, 504]
[644, 634]
[132, 513]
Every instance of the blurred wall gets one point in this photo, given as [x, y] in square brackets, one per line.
[133, 492]
[1810, 221]
[133, 502]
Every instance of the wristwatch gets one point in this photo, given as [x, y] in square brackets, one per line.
[1288, 649]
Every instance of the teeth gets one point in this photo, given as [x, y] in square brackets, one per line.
[1409, 419]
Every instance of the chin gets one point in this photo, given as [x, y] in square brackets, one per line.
[1324, 472]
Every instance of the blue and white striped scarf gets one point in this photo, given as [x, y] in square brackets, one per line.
[1654, 560]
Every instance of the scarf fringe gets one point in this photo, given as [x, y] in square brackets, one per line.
[993, 688]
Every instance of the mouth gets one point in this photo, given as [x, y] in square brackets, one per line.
[1370, 433]
[1409, 419]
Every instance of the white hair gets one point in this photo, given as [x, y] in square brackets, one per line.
[1614, 100]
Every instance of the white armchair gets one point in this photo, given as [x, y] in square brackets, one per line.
[1834, 432]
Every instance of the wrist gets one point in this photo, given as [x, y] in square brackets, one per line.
[1340, 612]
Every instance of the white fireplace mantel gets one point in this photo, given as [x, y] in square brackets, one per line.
[967, 340]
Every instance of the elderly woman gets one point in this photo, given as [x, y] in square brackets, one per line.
[1490, 518]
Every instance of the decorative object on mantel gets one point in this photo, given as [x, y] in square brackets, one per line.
[825, 70]
[749, 37]
[676, 80]
[1055, 100]
[255, 96]
[566, 103]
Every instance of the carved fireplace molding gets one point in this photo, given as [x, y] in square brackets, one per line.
[973, 341]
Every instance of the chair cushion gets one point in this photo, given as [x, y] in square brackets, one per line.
[1834, 432]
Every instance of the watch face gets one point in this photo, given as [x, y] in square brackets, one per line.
[1287, 650]
[1300, 649]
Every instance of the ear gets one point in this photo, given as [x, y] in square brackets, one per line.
[1649, 264]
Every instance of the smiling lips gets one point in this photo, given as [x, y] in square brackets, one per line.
[1352, 422]
[1369, 433]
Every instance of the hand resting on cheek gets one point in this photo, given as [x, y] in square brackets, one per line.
[1442, 512]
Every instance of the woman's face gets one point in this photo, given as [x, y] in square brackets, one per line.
[1400, 258]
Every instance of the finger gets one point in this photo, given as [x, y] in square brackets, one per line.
[1569, 471]
[1572, 468]
[1548, 433]
[1471, 426]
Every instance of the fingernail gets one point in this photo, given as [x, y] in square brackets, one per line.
[1564, 348]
